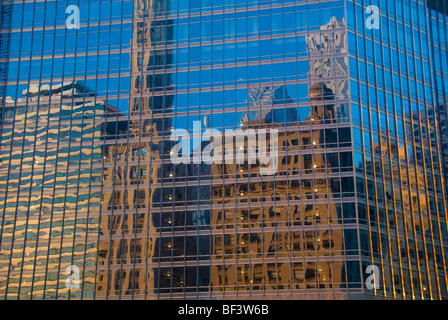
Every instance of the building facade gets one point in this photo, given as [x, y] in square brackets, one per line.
[325, 123]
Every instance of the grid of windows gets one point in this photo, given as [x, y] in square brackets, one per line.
[399, 130]
[86, 169]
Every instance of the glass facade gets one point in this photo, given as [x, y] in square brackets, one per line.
[348, 168]
[398, 99]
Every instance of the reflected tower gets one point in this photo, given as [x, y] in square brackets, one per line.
[51, 163]
[132, 219]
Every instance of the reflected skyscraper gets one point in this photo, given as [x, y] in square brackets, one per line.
[51, 164]
[88, 133]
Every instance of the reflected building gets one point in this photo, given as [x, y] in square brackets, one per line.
[399, 132]
[51, 177]
[283, 236]
[279, 234]
[144, 193]
[131, 245]
[390, 158]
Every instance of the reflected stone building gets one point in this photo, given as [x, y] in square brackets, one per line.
[130, 232]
